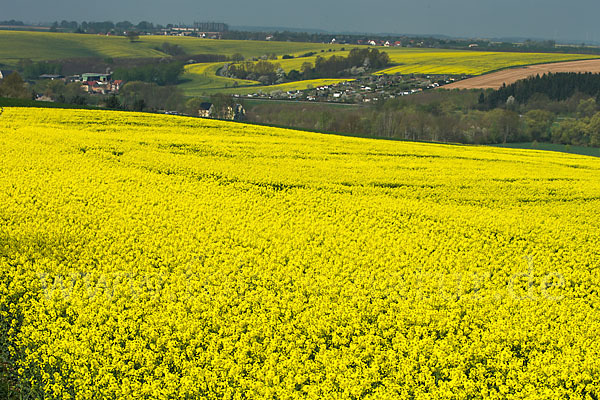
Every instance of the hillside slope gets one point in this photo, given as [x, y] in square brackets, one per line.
[15, 45]
[148, 256]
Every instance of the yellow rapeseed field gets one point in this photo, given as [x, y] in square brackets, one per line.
[467, 62]
[157, 257]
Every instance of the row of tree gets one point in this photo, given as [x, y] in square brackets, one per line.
[454, 116]
[416, 123]
[32, 70]
[336, 66]
[557, 86]
[104, 26]
[161, 74]
[357, 62]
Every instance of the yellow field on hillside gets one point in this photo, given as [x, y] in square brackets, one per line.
[161, 257]
[201, 79]
[290, 86]
[467, 62]
[408, 61]
[435, 61]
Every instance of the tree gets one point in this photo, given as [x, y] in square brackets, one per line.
[193, 105]
[586, 108]
[145, 26]
[149, 96]
[538, 124]
[113, 102]
[594, 130]
[223, 105]
[306, 69]
[14, 86]
[124, 26]
[567, 131]
[237, 57]
[504, 125]
[172, 49]
[161, 74]
[132, 36]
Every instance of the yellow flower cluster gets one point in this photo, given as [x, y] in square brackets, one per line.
[157, 257]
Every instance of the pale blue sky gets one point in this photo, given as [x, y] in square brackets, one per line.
[551, 19]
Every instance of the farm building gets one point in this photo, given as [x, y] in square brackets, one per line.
[235, 113]
[205, 110]
[51, 77]
[92, 77]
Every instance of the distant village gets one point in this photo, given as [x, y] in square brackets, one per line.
[361, 90]
[365, 89]
[205, 30]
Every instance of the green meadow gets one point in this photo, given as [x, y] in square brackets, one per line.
[38, 46]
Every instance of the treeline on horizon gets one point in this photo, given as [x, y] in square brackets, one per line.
[528, 45]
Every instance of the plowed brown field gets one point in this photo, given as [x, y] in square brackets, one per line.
[508, 76]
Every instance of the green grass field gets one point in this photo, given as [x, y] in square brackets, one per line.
[298, 85]
[201, 79]
[15, 45]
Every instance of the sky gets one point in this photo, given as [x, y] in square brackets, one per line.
[574, 20]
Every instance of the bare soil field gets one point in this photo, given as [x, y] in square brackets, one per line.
[508, 76]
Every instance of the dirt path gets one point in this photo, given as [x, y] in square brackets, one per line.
[508, 76]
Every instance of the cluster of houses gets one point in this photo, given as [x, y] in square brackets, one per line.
[231, 112]
[363, 90]
[384, 43]
[209, 30]
[100, 83]
[193, 32]
[92, 83]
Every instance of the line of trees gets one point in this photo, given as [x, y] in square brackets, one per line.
[12, 22]
[335, 66]
[32, 70]
[144, 96]
[359, 61]
[557, 86]
[449, 116]
[160, 74]
[410, 123]
[104, 26]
